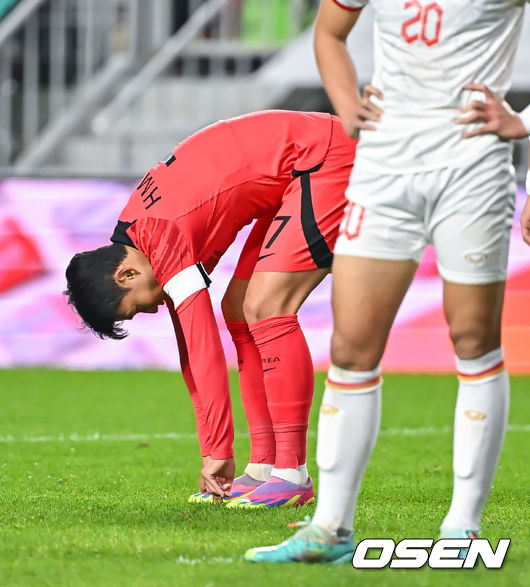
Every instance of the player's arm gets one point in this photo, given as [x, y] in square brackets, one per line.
[495, 115]
[334, 21]
[203, 431]
[498, 118]
[185, 281]
[206, 367]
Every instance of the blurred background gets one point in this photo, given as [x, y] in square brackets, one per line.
[94, 92]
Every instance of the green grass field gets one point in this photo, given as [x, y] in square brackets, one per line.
[96, 469]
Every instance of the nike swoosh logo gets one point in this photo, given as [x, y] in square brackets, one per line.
[265, 256]
[269, 369]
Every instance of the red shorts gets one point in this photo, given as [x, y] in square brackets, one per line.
[302, 233]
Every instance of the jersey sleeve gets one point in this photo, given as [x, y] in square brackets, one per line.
[203, 431]
[351, 4]
[524, 115]
[174, 265]
[206, 365]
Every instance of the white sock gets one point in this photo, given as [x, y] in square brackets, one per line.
[298, 476]
[347, 432]
[480, 423]
[259, 471]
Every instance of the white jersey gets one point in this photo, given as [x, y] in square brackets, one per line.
[425, 53]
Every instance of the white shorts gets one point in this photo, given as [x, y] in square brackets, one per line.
[465, 212]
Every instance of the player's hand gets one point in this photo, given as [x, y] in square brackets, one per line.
[497, 117]
[365, 112]
[202, 480]
[525, 222]
[218, 475]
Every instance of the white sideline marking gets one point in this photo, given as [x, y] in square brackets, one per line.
[184, 560]
[97, 437]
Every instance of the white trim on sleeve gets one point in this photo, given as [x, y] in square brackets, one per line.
[353, 4]
[525, 117]
[186, 283]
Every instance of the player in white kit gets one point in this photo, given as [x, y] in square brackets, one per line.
[420, 177]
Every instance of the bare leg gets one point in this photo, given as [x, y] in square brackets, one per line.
[232, 302]
[366, 296]
[273, 294]
[474, 313]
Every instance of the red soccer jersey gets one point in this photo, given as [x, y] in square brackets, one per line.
[217, 181]
[186, 212]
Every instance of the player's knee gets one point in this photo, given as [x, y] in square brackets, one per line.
[252, 308]
[256, 309]
[475, 341]
[348, 353]
[260, 306]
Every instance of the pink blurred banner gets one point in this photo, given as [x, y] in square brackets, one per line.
[43, 223]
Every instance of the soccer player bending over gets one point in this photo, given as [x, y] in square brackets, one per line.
[288, 170]
[419, 178]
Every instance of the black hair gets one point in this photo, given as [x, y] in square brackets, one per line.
[92, 291]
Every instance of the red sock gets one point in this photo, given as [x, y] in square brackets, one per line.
[262, 444]
[289, 383]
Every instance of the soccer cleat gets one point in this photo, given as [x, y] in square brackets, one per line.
[459, 533]
[242, 486]
[201, 497]
[311, 544]
[276, 492]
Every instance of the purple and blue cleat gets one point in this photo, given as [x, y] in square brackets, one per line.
[276, 492]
